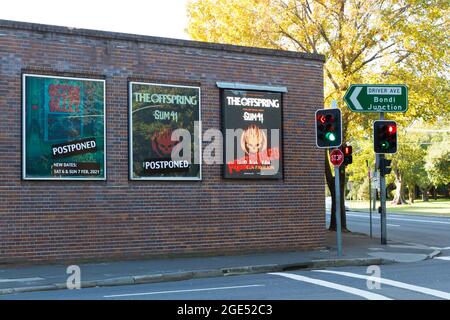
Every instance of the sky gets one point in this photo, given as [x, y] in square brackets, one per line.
[163, 18]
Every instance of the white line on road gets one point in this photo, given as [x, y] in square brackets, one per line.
[443, 258]
[398, 284]
[20, 280]
[179, 291]
[405, 246]
[392, 225]
[399, 219]
[439, 248]
[365, 294]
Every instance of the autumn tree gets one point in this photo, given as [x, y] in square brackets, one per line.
[371, 41]
[437, 161]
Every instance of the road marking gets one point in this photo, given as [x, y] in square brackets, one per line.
[392, 225]
[399, 219]
[179, 291]
[362, 293]
[410, 246]
[439, 248]
[20, 280]
[443, 258]
[398, 284]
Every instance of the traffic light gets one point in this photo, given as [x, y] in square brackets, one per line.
[385, 136]
[385, 166]
[347, 150]
[328, 128]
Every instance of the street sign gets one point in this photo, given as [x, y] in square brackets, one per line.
[377, 98]
[336, 157]
[376, 183]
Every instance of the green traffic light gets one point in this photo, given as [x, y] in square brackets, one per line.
[385, 145]
[330, 136]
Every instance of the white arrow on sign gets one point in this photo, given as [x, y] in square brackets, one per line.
[354, 96]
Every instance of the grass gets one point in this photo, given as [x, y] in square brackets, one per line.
[440, 207]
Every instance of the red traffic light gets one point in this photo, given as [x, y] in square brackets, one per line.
[322, 119]
[392, 129]
[385, 136]
[348, 150]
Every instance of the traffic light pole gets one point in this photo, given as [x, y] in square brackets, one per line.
[370, 196]
[338, 210]
[382, 194]
[383, 202]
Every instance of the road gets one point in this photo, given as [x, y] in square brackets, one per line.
[424, 280]
[429, 279]
[425, 230]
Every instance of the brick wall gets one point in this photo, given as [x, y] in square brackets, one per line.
[42, 221]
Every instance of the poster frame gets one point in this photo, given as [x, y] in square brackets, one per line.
[130, 134]
[250, 88]
[23, 147]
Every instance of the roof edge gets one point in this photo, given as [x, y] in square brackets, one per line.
[250, 86]
[37, 27]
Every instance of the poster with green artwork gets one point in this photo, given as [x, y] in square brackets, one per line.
[164, 132]
[63, 128]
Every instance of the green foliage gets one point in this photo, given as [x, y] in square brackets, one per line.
[409, 160]
[372, 41]
[437, 163]
[395, 41]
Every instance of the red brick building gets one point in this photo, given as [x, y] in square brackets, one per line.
[115, 218]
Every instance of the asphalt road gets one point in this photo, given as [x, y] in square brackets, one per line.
[425, 230]
[423, 280]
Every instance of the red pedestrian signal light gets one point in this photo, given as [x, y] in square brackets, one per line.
[328, 128]
[385, 136]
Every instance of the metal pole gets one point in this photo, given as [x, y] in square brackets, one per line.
[382, 196]
[338, 200]
[370, 197]
[338, 211]
[383, 205]
[374, 205]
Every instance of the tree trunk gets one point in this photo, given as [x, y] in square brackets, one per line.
[399, 189]
[330, 183]
[411, 193]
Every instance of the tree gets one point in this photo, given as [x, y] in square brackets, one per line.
[408, 170]
[363, 159]
[438, 163]
[372, 41]
[428, 150]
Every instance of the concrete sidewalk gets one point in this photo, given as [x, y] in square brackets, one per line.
[358, 250]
